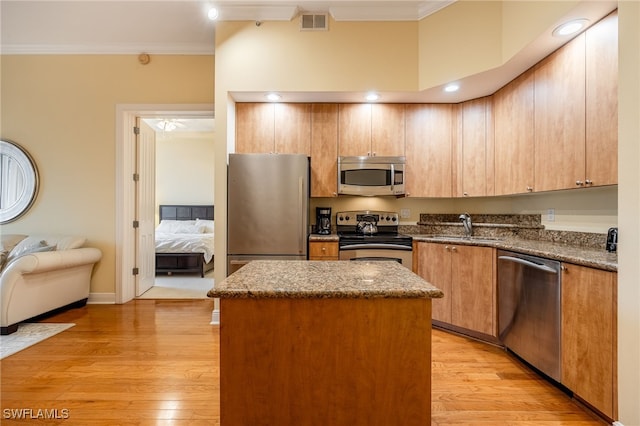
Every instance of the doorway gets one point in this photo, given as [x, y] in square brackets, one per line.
[127, 256]
[184, 158]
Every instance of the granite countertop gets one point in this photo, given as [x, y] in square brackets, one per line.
[323, 237]
[585, 256]
[324, 279]
[595, 258]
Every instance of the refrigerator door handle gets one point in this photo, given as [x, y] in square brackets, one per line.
[301, 217]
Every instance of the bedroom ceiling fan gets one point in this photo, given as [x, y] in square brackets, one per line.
[169, 125]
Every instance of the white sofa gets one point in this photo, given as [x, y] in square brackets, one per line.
[42, 273]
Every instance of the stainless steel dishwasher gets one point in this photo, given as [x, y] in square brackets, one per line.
[529, 309]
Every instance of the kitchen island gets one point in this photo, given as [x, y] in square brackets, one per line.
[325, 343]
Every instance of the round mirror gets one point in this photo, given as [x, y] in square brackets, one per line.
[18, 181]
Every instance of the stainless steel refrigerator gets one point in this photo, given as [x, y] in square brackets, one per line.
[267, 208]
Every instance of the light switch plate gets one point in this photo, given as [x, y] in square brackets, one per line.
[551, 215]
[405, 213]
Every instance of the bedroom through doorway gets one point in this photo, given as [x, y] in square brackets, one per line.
[184, 175]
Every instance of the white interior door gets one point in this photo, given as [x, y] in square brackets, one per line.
[145, 207]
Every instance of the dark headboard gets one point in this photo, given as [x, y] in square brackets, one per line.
[185, 212]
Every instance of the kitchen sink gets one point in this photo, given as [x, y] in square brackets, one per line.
[454, 238]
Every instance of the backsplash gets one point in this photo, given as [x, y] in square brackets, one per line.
[522, 226]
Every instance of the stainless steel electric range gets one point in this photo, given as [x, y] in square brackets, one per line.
[372, 235]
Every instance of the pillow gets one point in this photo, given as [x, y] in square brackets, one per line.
[208, 225]
[189, 229]
[28, 249]
[169, 226]
[9, 241]
[179, 227]
[4, 254]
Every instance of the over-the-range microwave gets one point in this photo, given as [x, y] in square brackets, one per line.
[371, 176]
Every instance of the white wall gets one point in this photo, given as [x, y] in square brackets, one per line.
[185, 167]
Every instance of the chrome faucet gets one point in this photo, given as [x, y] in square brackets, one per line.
[466, 222]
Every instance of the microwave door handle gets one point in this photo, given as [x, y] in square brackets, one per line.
[393, 177]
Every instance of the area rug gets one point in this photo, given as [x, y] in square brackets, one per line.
[29, 334]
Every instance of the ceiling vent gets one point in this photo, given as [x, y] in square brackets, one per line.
[314, 22]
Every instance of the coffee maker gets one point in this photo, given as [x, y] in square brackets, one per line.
[323, 220]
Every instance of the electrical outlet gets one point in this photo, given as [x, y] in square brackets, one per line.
[551, 215]
[405, 213]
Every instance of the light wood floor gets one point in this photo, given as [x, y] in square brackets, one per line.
[155, 362]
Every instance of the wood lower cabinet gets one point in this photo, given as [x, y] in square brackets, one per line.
[589, 342]
[323, 250]
[433, 263]
[466, 275]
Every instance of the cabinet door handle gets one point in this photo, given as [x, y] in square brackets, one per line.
[453, 248]
[579, 183]
[529, 188]
[588, 182]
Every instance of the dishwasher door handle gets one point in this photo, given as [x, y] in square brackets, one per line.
[528, 263]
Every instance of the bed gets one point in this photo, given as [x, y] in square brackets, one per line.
[184, 239]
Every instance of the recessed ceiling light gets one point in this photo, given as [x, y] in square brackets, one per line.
[273, 97]
[453, 87]
[372, 97]
[570, 27]
[213, 14]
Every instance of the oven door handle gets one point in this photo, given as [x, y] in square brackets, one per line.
[374, 246]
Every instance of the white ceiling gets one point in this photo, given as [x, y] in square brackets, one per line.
[165, 26]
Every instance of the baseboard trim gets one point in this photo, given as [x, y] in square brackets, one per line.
[102, 299]
[215, 317]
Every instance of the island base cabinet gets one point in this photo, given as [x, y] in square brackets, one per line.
[325, 362]
[589, 355]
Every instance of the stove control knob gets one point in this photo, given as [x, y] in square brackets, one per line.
[393, 219]
[388, 218]
[347, 218]
[340, 218]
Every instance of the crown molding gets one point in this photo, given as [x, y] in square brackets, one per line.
[108, 49]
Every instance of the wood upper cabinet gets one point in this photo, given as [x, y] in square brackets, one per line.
[255, 127]
[324, 150]
[292, 128]
[388, 130]
[514, 142]
[273, 128]
[559, 113]
[371, 130]
[589, 342]
[473, 171]
[602, 102]
[429, 150]
[466, 275]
